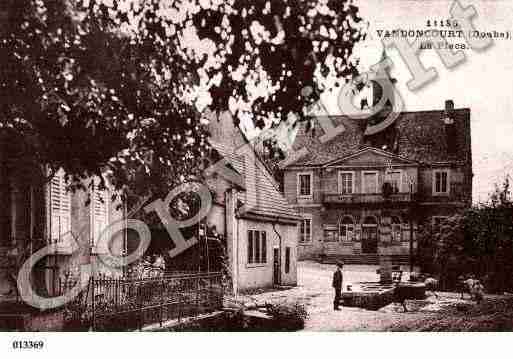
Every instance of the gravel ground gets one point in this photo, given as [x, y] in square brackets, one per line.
[314, 290]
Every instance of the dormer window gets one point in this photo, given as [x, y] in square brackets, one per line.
[441, 182]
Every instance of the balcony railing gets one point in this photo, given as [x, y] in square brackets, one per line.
[357, 198]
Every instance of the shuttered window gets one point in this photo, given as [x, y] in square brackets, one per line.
[60, 207]
[99, 213]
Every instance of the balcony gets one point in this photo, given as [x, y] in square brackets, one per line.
[361, 198]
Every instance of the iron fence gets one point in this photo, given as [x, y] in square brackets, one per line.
[125, 304]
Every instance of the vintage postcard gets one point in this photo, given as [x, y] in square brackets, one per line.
[255, 166]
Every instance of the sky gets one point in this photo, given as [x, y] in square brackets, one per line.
[483, 82]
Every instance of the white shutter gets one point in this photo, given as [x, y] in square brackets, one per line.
[99, 213]
[60, 207]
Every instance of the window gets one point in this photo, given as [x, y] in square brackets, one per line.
[346, 182]
[396, 229]
[305, 231]
[406, 232]
[438, 222]
[330, 234]
[441, 183]
[60, 207]
[305, 184]
[346, 229]
[287, 259]
[257, 247]
[370, 182]
[99, 213]
[395, 181]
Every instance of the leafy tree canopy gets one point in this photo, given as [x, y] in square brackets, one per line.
[115, 86]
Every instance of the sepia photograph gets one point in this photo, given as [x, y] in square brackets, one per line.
[254, 166]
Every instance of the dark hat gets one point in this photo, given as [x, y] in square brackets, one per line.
[340, 263]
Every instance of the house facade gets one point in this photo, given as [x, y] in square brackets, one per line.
[259, 225]
[38, 210]
[363, 197]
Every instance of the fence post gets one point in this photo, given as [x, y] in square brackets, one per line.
[161, 301]
[139, 295]
[210, 294]
[180, 293]
[197, 281]
[116, 293]
[93, 309]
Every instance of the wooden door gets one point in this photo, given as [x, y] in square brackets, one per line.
[369, 239]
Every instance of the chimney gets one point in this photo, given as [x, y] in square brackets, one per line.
[449, 112]
[450, 129]
[449, 105]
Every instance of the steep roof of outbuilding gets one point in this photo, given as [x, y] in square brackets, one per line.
[261, 196]
[421, 137]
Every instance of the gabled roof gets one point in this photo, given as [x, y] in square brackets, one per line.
[395, 159]
[420, 137]
[261, 196]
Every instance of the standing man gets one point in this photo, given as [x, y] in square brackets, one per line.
[337, 284]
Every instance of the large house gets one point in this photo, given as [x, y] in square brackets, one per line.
[363, 197]
[260, 226]
[37, 210]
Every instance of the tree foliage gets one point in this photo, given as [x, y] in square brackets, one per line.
[479, 241]
[115, 86]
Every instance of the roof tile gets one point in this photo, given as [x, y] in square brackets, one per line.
[420, 136]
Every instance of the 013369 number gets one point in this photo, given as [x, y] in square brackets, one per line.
[28, 344]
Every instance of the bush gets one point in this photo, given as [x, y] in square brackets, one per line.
[477, 241]
[288, 316]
